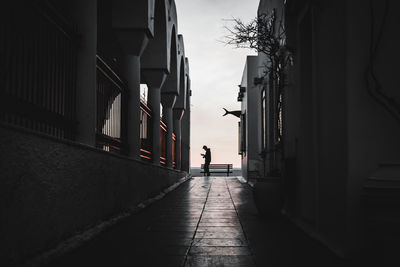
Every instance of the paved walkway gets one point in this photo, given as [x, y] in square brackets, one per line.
[205, 222]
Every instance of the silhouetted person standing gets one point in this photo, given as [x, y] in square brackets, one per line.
[207, 160]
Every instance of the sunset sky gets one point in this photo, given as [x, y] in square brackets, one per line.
[216, 71]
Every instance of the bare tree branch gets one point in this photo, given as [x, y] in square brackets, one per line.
[264, 35]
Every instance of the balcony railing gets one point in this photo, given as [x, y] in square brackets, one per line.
[110, 91]
[37, 69]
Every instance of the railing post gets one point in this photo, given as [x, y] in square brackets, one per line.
[86, 17]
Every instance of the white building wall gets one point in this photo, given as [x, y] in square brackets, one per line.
[252, 164]
[244, 112]
[253, 118]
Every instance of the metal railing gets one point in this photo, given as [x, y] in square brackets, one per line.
[37, 69]
[110, 91]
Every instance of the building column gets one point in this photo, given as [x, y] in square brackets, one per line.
[132, 106]
[154, 100]
[185, 134]
[167, 112]
[168, 102]
[154, 80]
[85, 16]
[185, 142]
[178, 146]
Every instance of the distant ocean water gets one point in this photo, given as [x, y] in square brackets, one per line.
[196, 171]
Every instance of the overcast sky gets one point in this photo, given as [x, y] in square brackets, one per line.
[216, 71]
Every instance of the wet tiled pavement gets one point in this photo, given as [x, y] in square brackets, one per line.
[205, 222]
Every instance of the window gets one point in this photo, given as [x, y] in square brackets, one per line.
[243, 133]
[239, 139]
[264, 119]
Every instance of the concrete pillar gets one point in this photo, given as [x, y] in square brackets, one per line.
[178, 114]
[132, 76]
[85, 16]
[185, 136]
[185, 142]
[168, 102]
[154, 99]
[154, 80]
[167, 112]
[178, 146]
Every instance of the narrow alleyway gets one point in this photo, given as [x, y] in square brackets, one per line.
[204, 222]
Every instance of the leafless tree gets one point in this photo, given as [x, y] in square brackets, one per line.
[266, 35]
[263, 34]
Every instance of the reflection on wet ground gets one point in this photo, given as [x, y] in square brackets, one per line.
[207, 221]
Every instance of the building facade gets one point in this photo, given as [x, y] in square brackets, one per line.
[250, 143]
[94, 119]
[329, 125]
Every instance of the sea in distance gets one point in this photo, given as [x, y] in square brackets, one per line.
[196, 171]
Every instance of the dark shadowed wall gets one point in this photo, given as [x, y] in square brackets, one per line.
[52, 189]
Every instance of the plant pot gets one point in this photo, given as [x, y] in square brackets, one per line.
[267, 195]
